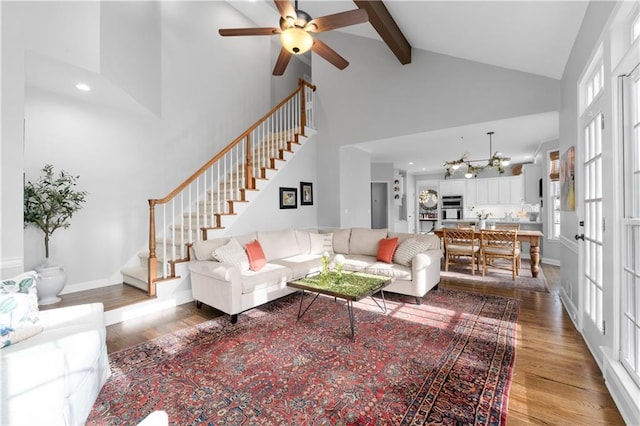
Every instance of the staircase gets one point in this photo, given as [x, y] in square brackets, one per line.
[211, 199]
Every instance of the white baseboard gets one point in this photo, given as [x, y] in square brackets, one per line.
[11, 266]
[147, 307]
[554, 262]
[89, 285]
[571, 309]
[624, 391]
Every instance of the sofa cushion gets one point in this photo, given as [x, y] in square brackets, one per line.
[255, 255]
[246, 238]
[304, 240]
[19, 316]
[357, 262]
[408, 249]
[302, 264]
[278, 244]
[316, 242]
[341, 241]
[402, 236]
[365, 241]
[233, 254]
[202, 249]
[389, 270]
[270, 275]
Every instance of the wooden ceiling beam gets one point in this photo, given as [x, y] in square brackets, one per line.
[386, 26]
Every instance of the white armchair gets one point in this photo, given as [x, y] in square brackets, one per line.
[54, 377]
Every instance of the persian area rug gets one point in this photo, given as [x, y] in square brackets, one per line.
[446, 361]
[499, 278]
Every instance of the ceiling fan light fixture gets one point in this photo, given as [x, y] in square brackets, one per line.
[296, 40]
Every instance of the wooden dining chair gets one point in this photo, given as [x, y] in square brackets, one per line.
[500, 244]
[460, 243]
[515, 226]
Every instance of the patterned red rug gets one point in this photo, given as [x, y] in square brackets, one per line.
[447, 361]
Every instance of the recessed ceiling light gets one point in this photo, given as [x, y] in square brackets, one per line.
[411, 163]
[84, 87]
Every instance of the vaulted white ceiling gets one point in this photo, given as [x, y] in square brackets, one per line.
[530, 36]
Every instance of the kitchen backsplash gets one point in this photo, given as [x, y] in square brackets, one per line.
[500, 211]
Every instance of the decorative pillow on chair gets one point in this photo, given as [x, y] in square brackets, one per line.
[19, 316]
[408, 250]
[386, 248]
[256, 256]
[233, 254]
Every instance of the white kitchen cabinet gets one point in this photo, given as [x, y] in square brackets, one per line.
[504, 191]
[452, 187]
[493, 190]
[470, 193]
[482, 191]
[511, 190]
[517, 189]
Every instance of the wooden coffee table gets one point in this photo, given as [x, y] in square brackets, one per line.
[350, 286]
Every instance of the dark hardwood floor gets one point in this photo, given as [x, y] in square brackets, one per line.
[556, 380]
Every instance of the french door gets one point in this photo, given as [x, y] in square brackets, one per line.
[592, 253]
[593, 259]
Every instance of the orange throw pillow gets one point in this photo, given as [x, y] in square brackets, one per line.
[386, 248]
[255, 255]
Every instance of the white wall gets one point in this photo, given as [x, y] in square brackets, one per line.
[209, 96]
[594, 21]
[355, 197]
[131, 49]
[283, 85]
[376, 97]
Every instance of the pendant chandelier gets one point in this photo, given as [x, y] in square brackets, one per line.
[472, 168]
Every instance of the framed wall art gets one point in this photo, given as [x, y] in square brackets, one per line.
[306, 194]
[567, 180]
[288, 198]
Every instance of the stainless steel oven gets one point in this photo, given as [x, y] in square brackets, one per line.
[452, 206]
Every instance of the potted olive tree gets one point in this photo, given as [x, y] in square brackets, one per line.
[49, 204]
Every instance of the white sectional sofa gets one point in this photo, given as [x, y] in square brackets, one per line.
[54, 377]
[293, 253]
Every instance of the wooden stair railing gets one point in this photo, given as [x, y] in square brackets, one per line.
[198, 203]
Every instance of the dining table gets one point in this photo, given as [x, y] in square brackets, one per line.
[530, 236]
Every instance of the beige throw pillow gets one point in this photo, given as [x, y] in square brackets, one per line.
[233, 254]
[408, 249]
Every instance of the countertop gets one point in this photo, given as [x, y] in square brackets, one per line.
[493, 220]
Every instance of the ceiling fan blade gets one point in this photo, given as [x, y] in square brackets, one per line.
[248, 31]
[329, 54]
[338, 20]
[285, 7]
[283, 60]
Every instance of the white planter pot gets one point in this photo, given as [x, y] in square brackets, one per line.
[51, 281]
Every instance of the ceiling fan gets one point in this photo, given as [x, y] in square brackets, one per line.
[295, 31]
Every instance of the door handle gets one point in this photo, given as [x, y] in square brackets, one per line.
[579, 237]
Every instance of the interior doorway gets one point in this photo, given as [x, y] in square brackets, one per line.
[379, 205]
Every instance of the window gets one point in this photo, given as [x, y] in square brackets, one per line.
[554, 195]
[630, 295]
[594, 84]
[635, 29]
